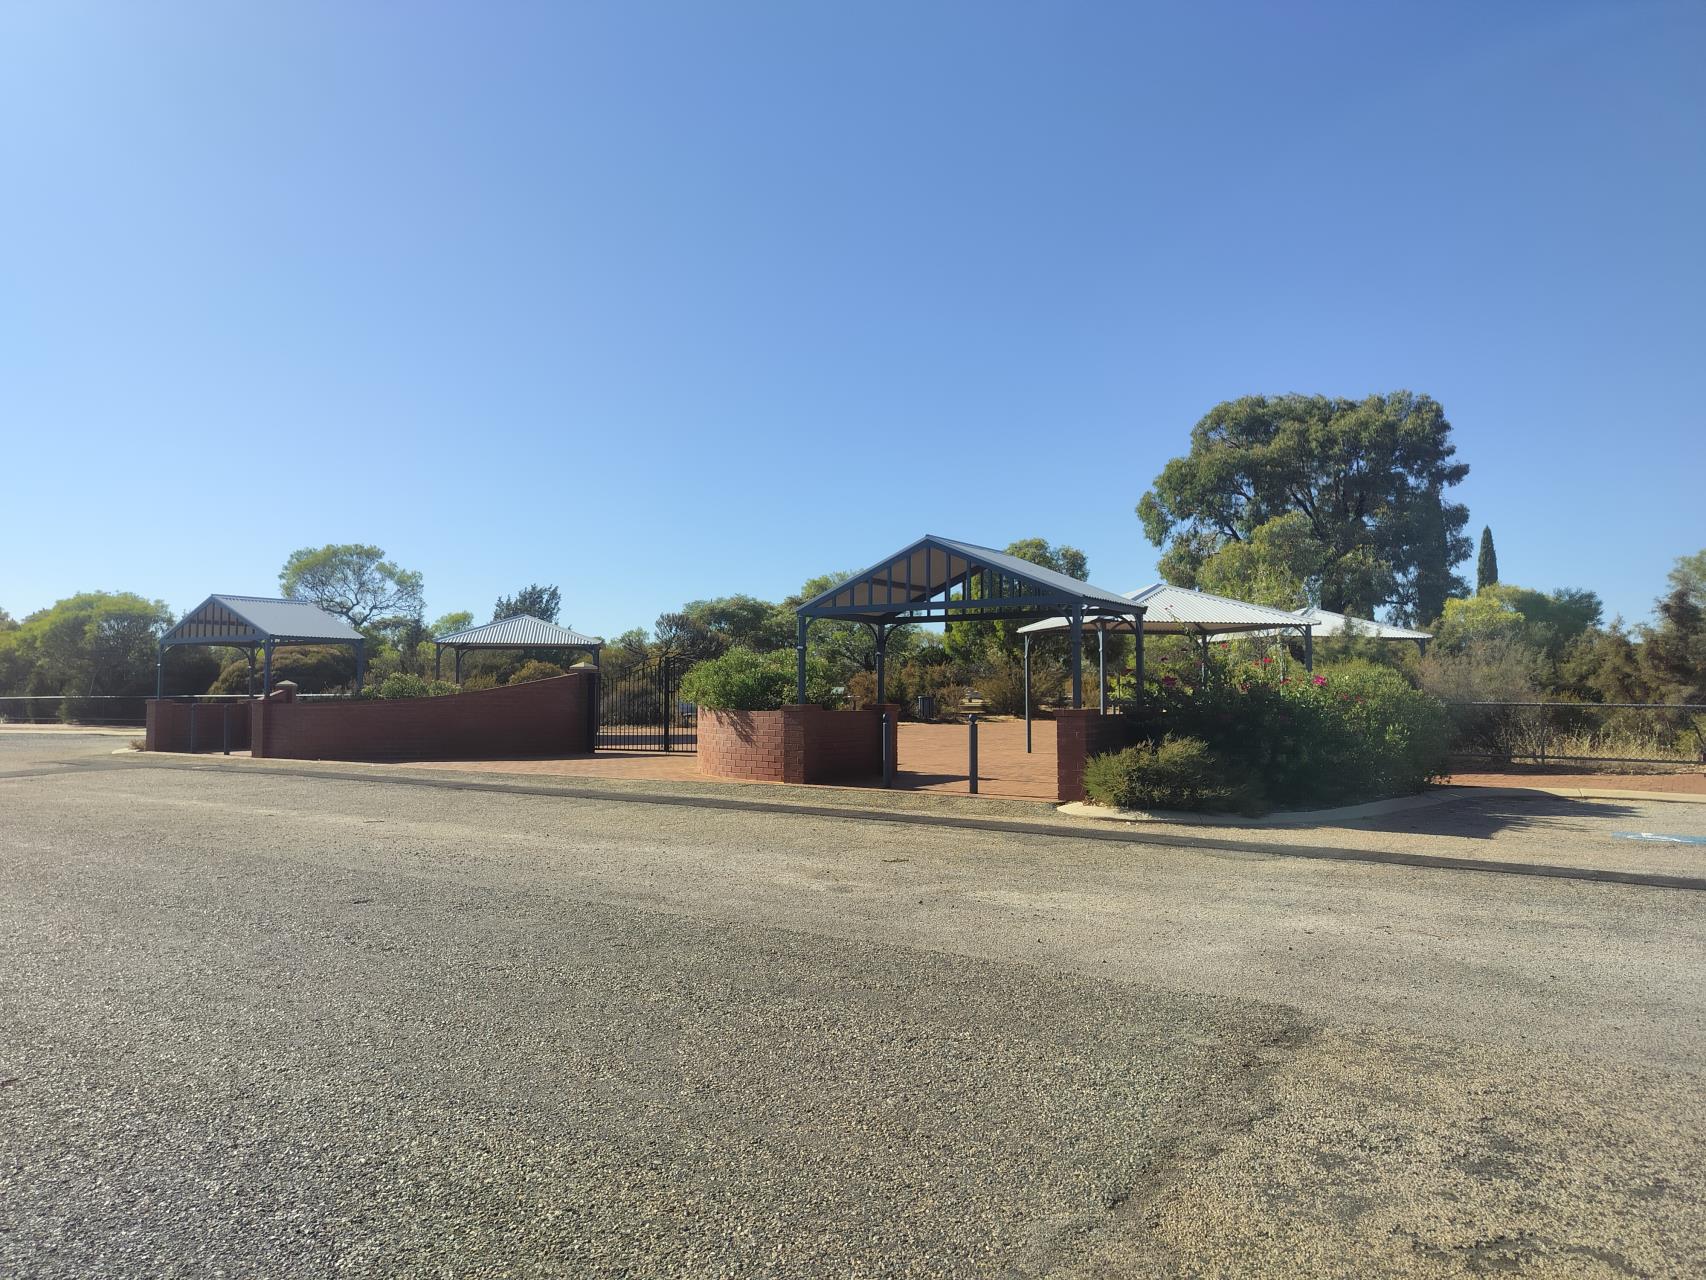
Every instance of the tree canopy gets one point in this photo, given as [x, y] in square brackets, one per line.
[1487, 562]
[355, 582]
[542, 602]
[1366, 478]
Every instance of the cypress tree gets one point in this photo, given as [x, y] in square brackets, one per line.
[1487, 563]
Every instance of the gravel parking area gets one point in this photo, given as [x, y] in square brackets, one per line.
[262, 1024]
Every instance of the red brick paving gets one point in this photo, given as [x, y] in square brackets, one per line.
[930, 757]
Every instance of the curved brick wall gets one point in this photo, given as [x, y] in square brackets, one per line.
[542, 718]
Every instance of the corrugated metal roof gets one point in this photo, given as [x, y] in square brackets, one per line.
[1337, 624]
[1179, 610]
[917, 574]
[231, 619]
[523, 631]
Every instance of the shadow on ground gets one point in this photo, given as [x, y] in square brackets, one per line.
[1487, 816]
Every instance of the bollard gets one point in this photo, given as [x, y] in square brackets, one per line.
[971, 770]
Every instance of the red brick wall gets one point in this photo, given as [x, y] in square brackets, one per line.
[541, 718]
[170, 725]
[1079, 735]
[795, 744]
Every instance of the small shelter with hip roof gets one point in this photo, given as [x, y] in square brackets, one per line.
[1176, 611]
[258, 624]
[523, 631]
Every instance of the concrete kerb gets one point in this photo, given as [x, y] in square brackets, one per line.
[746, 798]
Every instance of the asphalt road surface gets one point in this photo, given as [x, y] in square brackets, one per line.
[266, 1025]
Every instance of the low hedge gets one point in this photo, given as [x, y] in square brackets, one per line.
[742, 680]
[1353, 732]
[1176, 773]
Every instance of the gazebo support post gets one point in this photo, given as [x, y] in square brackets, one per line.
[251, 686]
[458, 653]
[1027, 695]
[1309, 648]
[438, 662]
[1137, 657]
[1101, 668]
[800, 626]
[159, 672]
[360, 664]
[1077, 658]
[266, 671]
[882, 663]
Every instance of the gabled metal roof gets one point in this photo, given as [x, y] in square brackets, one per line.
[252, 620]
[912, 585]
[1170, 610]
[523, 631]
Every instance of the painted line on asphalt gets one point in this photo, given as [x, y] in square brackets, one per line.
[901, 817]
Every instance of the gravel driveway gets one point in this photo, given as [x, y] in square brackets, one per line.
[300, 1026]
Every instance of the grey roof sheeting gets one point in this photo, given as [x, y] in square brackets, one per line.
[904, 586]
[1327, 623]
[523, 631]
[250, 620]
[1170, 610]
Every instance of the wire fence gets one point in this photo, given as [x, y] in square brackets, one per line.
[1582, 732]
[103, 710]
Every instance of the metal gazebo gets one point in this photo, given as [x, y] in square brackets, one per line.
[522, 631]
[260, 623]
[918, 584]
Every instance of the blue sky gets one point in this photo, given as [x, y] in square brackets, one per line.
[665, 301]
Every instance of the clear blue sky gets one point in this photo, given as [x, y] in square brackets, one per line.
[665, 301]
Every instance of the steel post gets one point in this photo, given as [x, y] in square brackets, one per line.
[159, 671]
[1102, 668]
[800, 658]
[882, 664]
[971, 764]
[888, 751]
[266, 671]
[1077, 659]
[1309, 648]
[1027, 695]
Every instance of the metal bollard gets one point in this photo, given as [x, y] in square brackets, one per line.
[971, 770]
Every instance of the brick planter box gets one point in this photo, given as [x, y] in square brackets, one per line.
[1080, 734]
[794, 744]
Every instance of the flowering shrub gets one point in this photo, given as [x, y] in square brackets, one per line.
[1355, 732]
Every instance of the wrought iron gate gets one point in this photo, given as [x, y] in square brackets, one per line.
[642, 709]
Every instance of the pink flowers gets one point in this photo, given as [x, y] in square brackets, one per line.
[1318, 681]
[1169, 681]
[1267, 662]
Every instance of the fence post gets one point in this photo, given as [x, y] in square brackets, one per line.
[663, 675]
[971, 771]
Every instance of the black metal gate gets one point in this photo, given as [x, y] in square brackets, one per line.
[642, 709]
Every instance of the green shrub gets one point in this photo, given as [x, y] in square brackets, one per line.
[1352, 732]
[741, 680]
[535, 670]
[400, 684]
[1177, 773]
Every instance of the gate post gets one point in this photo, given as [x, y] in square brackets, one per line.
[663, 677]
